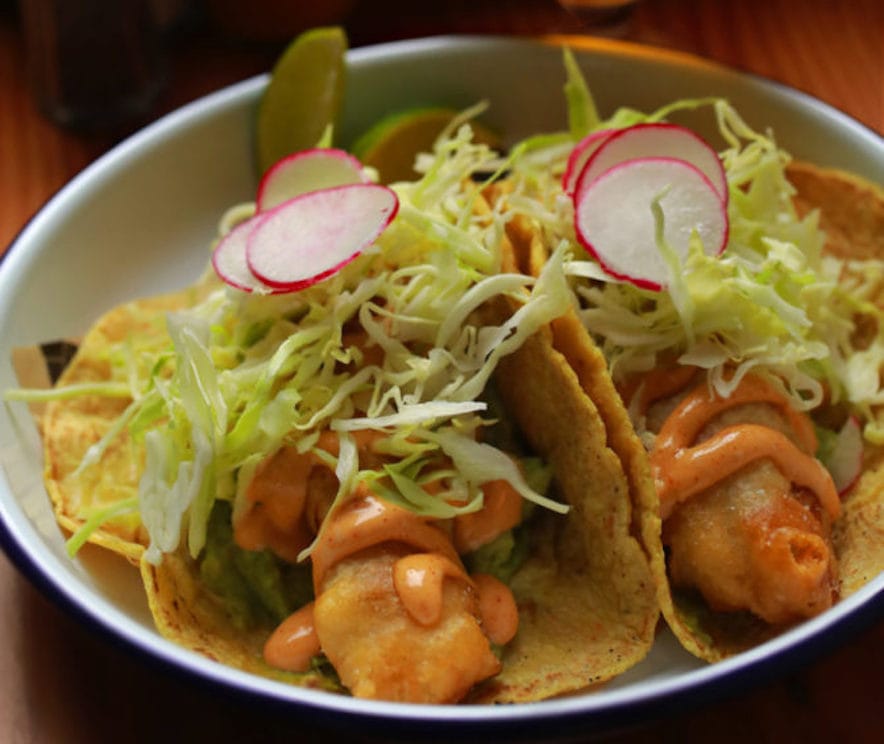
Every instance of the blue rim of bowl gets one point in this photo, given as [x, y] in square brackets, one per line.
[594, 712]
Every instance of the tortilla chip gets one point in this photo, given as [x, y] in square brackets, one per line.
[71, 426]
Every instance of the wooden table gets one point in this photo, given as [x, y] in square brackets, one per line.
[61, 683]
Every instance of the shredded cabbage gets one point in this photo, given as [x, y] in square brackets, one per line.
[252, 372]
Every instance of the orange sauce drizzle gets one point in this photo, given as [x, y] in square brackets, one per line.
[294, 642]
[501, 511]
[682, 470]
[497, 607]
[418, 579]
[368, 520]
[276, 496]
[278, 513]
[658, 384]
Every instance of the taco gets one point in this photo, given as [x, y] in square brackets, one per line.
[376, 484]
[747, 383]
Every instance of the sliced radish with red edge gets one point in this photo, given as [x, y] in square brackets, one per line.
[229, 260]
[305, 171]
[614, 220]
[312, 236]
[581, 153]
[845, 461]
[654, 140]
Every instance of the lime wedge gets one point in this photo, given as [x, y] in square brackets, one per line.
[303, 96]
[392, 144]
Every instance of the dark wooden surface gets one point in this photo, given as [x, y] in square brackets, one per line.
[59, 682]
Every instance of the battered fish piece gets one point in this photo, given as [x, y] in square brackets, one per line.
[381, 652]
[748, 537]
[395, 611]
[754, 543]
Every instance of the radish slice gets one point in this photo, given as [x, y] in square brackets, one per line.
[310, 237]
[655, 140]
[308, 170]
[845, 461]
[614, 219]
[581, 153]
[229, 260]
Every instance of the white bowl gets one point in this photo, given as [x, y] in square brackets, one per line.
[139, 221]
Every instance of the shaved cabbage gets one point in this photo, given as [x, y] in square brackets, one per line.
[393, 343]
